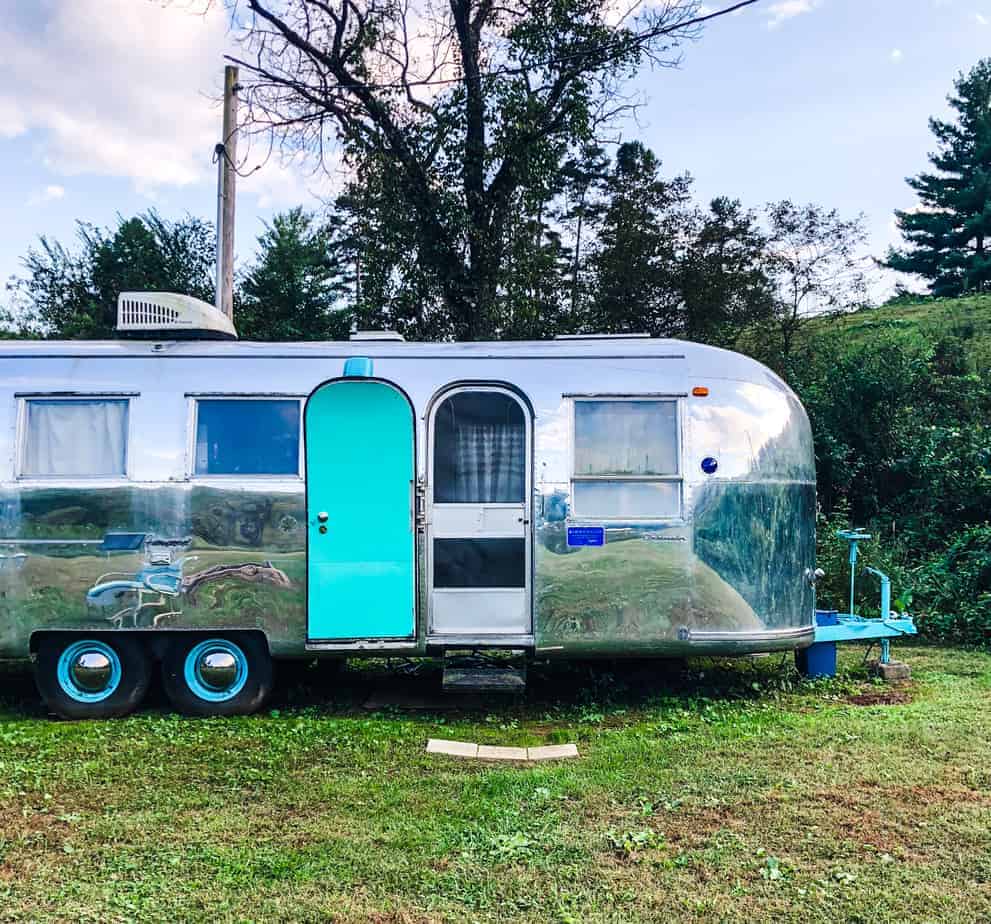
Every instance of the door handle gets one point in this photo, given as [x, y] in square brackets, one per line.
[323, 517]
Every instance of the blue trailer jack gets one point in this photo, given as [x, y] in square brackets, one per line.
[819, 659]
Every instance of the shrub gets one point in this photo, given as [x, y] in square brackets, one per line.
[954, 589]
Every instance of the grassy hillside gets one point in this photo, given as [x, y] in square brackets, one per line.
[967, 318]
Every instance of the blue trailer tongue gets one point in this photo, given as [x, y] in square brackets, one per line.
[832, 627]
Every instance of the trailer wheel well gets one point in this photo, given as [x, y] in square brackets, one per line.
[157, 639]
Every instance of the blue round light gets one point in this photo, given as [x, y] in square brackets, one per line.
[709, 465]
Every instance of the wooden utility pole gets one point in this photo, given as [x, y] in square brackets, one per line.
[226, 154]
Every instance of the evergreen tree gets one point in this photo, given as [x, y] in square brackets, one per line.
[297, 287]
[635, 261]
[393, 289]
[948, 236]
[582, 178]
[532, 301]
[723, 277]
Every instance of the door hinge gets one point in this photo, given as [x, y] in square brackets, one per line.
[420, 502]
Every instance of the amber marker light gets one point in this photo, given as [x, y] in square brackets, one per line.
[700, 391]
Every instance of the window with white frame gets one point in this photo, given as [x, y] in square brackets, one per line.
[626, 458]
[74, 437]
[247, 436]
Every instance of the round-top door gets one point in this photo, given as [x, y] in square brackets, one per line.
[360, 456]
[479, 519]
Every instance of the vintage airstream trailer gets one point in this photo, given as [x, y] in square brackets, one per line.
[213, 506]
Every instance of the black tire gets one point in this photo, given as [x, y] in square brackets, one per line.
[129, 664]
[189, 693]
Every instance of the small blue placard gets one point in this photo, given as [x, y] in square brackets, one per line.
[586, 535]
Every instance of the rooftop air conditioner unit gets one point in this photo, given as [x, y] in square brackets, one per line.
[168, 315]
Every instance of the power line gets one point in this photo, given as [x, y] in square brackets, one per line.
[637, 39]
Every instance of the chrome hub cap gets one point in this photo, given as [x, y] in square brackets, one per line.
[91, 671]
[217, 670]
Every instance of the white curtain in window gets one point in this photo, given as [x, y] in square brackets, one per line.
[489, 463]
[82, 438]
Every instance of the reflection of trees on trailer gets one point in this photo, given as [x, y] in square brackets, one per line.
[610, 497]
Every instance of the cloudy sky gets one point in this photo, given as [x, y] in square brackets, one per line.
[107, 106]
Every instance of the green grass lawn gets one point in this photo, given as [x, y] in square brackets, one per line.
[727, 792]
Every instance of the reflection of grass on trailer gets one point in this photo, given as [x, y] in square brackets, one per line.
[637, 590]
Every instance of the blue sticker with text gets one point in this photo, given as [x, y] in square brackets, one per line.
[586, 535]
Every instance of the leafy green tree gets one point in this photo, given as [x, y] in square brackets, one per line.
[900, 430]
[948, 236]
[816, 259]
[300, 283]
[73, 293]
[634, 264]
[461, 107]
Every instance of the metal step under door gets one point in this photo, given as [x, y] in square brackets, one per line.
[503, 671]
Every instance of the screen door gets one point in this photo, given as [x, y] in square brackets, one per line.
[479, 523]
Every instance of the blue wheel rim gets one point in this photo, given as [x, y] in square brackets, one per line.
[194, 678]
[68, 684]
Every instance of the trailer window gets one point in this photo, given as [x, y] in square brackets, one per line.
[75, 437]
[626, 458]
[626, 438]
[247, 437]
[479, 449]
[627, 499]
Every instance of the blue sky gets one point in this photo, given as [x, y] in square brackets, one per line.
[106, 107]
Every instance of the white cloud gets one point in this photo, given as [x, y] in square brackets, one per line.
[788, 9]
[896, 54]
[982, 20]
[114, 88]
[129, 89]
[282, 183]
[50, 193]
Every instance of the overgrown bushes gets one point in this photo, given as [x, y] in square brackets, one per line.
[902, 426]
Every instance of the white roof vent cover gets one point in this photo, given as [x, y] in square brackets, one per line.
[167, 313]
[386, 336]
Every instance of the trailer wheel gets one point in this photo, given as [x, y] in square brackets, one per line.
[217, 675]
[96, 677]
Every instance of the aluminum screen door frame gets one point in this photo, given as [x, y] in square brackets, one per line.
[360, 441]
[485, 612]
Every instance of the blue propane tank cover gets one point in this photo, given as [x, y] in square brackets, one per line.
[819, 660]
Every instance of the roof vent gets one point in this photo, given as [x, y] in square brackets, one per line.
[166, 314]
[387, 335]
[631, 336]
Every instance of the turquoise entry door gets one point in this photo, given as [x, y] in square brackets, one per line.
[359, 511]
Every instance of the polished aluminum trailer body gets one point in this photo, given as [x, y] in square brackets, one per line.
[725, 569]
